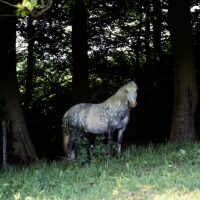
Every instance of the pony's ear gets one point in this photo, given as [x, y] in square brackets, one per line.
[135, 80]
[126, 81]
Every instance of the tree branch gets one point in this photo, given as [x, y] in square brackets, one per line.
[6, 15]
[8, 4]
[36, 14]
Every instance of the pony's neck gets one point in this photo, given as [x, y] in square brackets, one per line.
[119, 96]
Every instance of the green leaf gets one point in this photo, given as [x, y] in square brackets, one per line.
[19, 5]
[198, 151]
[23, 13]
[18, 12]
[17, 195]
[145, 162]
[29, 6]
[182, 151]
[42, 2]
[61, 173]
[34, 2]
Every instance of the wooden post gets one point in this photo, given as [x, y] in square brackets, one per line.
[4, 133]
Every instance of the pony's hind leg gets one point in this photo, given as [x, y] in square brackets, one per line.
[71, 149]
[120, 137]
[110, 139]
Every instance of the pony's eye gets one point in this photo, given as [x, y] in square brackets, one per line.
[127, 91]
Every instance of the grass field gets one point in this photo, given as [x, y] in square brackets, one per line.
[170, 171]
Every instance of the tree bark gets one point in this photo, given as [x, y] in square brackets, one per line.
[9, 91]
[80, 82]
[149, 71]
[79, 53]
[185, 86]
[157, 45]
[30, 63]
[138, 74]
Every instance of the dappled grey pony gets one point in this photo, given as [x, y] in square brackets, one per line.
[113, 114]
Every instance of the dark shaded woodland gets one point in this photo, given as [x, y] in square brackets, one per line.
[86, 52]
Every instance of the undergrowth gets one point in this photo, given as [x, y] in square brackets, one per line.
[90, 154]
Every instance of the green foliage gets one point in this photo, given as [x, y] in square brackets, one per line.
[42, 2]
[25, 7]
[87, 153]
[70, 3]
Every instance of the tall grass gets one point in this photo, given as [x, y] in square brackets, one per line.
[170, 171]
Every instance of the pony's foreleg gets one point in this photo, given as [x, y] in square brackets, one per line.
[120, 137]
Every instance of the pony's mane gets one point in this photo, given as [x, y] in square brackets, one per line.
[120, 95]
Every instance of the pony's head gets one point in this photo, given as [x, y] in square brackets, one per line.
[127, 92]
[131, 93]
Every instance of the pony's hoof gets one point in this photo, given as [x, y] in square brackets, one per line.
[70, 159]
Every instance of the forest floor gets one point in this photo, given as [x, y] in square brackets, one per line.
[165, 171]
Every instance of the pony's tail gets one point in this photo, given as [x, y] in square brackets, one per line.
[65, 135]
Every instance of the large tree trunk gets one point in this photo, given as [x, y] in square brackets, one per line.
[185, 86]
[9, 91]
[79, 52]
[80, 81]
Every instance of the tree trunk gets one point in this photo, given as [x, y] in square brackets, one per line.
[149, 71]
[80, 83]
[157, 45]
[79, 52]
[138, 73]
[30, 63]
[9, 91]
[185, 86]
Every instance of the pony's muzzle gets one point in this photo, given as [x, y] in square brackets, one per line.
[133, 104]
